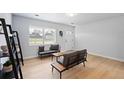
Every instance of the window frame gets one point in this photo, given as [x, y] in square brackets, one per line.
[43, 29]
[55, 36]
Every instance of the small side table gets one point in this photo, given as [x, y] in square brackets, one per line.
[57, 55]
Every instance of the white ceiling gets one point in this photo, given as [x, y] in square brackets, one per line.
[79, 19]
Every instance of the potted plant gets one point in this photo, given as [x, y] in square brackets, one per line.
[7, 67]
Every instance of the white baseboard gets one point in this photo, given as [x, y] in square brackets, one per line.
[31, 57]
[96, 54]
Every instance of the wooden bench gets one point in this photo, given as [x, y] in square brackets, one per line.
[58, 67]
[70, 60]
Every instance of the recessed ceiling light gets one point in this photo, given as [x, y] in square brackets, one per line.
[72, 23]
[36, 15]
[71, 14]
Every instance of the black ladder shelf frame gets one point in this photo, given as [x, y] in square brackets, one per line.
[20, 50]
[12, 50]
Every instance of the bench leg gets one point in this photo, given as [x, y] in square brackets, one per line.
[57, 59]
[52, 57]
[84, 64]
[60, 75]
[52, 68]
[41, 58]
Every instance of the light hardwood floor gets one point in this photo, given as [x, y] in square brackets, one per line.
[96, 68]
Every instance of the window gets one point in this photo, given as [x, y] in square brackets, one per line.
[49, 36]
[35, 36]
[39, 36]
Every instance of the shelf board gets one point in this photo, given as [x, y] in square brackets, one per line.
[1, 33]
[3, 56]
[3, 60]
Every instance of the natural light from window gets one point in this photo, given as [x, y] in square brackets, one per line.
[41, 36]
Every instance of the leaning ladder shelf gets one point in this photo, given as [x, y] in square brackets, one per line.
[13, 55]
[19, 46]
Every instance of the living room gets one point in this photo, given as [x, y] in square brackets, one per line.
[61, 46]
[99, 35]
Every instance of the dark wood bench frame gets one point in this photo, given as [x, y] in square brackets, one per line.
[57, 66]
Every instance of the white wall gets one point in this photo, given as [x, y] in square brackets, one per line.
[21, 24]
[105, 37]
[8, 19]
[7, 16]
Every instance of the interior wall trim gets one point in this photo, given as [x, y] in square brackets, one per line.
[111, 58]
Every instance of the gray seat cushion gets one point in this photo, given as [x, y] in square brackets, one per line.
[54, 47]
[73, 58]
[47, 52]
[41, 48]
